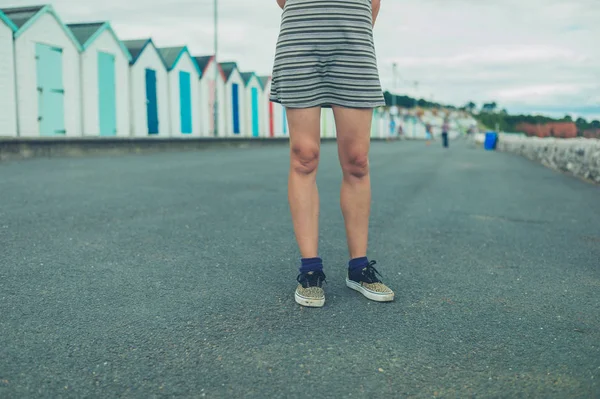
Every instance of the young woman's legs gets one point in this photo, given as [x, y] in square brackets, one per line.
[353, 137]
[305, 145]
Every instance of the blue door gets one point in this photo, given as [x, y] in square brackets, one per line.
[285, 126]
[151, 101]
[236, 108]
[255, 124]
[185, 102]
[50, 90]
[107, 97]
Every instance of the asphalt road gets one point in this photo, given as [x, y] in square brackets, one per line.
[172, 275]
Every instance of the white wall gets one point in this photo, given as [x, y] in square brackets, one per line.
[89, 81]
[234, 78]
[185, 64]
[46, 30]
[8, 110]
[139, 116]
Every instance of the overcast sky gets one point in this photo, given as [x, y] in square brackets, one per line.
[528, 55]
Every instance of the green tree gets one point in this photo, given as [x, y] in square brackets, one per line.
[471, 106]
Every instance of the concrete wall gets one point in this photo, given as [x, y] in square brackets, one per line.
[580, 156]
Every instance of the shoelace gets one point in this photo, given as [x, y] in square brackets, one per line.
[314, 279]
[370, 273]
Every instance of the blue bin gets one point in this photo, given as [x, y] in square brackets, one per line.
[491, 139]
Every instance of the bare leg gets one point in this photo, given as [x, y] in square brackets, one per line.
[305, 145]
[353, 137]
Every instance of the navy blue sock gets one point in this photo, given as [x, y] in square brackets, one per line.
[358, 263]
[311, 265]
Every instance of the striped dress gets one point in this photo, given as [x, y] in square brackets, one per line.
[326, 56]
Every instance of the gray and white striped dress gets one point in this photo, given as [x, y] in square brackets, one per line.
[326, 56]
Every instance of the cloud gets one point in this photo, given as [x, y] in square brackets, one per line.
[542, 54]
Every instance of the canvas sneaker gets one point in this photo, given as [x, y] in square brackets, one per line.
[310, 291]
[366, 282]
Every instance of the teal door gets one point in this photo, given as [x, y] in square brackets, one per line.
[50, 90]
[107, 97]
[185, 102]
[151, 102]
[285, 124]
[255, 124]
[236, 107]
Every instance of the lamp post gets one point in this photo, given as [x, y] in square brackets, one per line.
[415, 119]
[394, 71]
[394, 109]
[216, 88]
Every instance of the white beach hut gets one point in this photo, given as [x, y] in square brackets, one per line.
[211, 75]
[268, 107]
[327, 123]
[148, 90]
[8, 104]
[48, 94]
[234, 99]
[184, 77]
[104, 80]
[253, 93]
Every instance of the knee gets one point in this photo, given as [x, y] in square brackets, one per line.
[356, 165]
[305, 158]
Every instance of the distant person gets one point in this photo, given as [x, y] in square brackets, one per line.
[342, 33]
[400, 131]
[445, 131]
[428, 133]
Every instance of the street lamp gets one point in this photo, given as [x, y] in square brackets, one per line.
[216, 88]
[394, 71]
[415, 116]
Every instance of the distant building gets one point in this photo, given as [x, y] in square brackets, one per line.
[210, 69]
[553, 129]
[184, 94]
[104, 64]
[253, 125]
[47, 73]
[234, 99]
[149, 90]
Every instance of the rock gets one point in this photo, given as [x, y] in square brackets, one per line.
[579, 156]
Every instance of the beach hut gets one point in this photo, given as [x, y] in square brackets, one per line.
[184, 77]
[268, 122]
[211, 75]
[276, 115]
[148, 90]
[104, 79]
[234, 99]
[327, 123]
[8, 104]
[48, 91]
[253, 124]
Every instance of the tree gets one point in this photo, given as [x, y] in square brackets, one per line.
[595, 124]
[471, 106]
[489, 107]
[567, 118]
[581, 122]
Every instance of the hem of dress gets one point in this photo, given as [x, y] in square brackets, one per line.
[328, 104]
